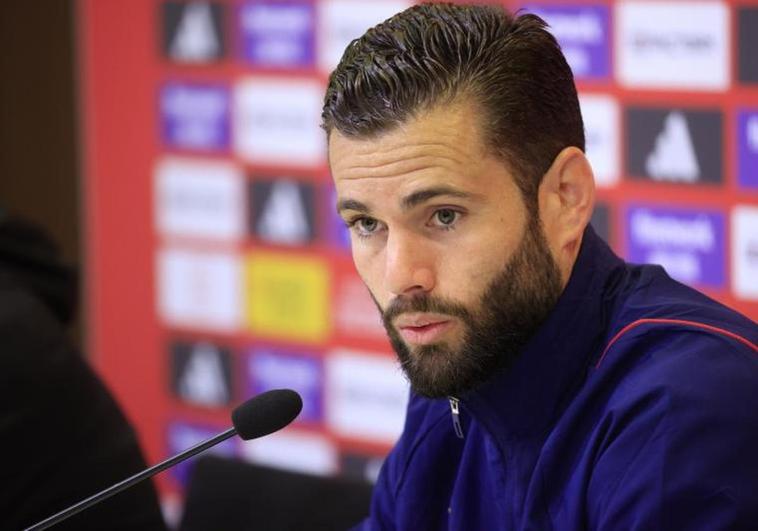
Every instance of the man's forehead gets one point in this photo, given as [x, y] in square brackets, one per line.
[448, 135]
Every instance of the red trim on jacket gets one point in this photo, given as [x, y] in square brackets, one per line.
[695, 324]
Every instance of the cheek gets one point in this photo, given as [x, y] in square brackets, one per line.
[466, 278]
[469, 267]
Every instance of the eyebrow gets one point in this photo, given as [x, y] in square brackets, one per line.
[421, 196]
[408, 202]
[352, 204]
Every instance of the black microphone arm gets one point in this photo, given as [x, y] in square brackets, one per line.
[259, 416]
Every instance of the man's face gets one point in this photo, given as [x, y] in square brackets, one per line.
[442, 238]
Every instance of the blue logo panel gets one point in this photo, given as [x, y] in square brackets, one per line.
[689, 244]
[748, 149]
[583, 33]
[276, 369]
[184, 435]
[195, 116]
[339, 234]
[278, 34]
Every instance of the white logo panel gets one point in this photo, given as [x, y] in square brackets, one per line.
[600, 114]
[296, 451]
[366, 395]
[356, 313]
[683, 45]
[278, 121]
[199, 289]
[345, 20]
[745, 252]
[199, 199]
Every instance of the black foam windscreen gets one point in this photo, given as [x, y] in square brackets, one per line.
[266, 413]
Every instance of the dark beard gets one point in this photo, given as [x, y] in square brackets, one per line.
[510, 310]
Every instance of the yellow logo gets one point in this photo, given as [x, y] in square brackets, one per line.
[287, 297]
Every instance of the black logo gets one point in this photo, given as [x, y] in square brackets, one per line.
[674, 145]
[192, 31]
[283, 211]
[201, 373]
[747, 44]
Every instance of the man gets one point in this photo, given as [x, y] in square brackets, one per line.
[553, 385]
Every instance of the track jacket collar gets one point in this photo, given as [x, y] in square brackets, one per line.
[526, 400]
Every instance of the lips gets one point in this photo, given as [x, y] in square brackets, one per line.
[423, 329]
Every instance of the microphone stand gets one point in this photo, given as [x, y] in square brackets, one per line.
[128, 482]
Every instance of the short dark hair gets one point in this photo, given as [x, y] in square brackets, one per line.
[511, 68]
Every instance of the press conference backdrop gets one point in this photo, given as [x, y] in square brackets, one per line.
[217, 267]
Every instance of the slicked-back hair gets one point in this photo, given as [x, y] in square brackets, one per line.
[510, 68]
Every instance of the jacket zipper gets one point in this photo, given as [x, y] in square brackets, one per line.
[455, 409]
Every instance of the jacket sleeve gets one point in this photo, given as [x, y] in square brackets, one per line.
[680, 442]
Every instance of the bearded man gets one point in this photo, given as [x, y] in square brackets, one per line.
[554, 386]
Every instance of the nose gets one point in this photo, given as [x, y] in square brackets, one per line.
[409, 265]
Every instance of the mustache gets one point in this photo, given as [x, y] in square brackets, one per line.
[424, 304]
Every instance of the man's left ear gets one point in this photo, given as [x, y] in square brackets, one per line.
[566, 199]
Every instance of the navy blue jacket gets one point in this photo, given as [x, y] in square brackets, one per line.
[635, 406]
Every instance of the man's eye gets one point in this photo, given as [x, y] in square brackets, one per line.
[367, 225]
[445, 216]
[364, 226]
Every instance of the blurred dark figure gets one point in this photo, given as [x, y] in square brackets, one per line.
[63, 436]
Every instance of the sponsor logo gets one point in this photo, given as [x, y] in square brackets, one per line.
[366, 395]
[287, 298]
[747, 43]
[682, 45]
[283, 211]
[278, 34]
[678, 146]
[269, 368]
[277, 121]
[689, 244]
[339, 234]
[183, 435]
[199, 199]
[199, 289]
[201, 373]
[195, 116]
[582, 32]
[745, 252]
[601, 124]
[341, 21]
[601, 221]
[748, 148]
[295, 451]
[192, 31]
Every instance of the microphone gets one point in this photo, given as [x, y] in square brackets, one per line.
[259, 416]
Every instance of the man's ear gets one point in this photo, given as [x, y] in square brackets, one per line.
[566, 198]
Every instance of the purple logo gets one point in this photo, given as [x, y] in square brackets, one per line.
[582, 32]
[195, 116]
[748, 148]
[275, 369]
[339, 234]
[182, 435]
[278, 34]
[689, 244]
